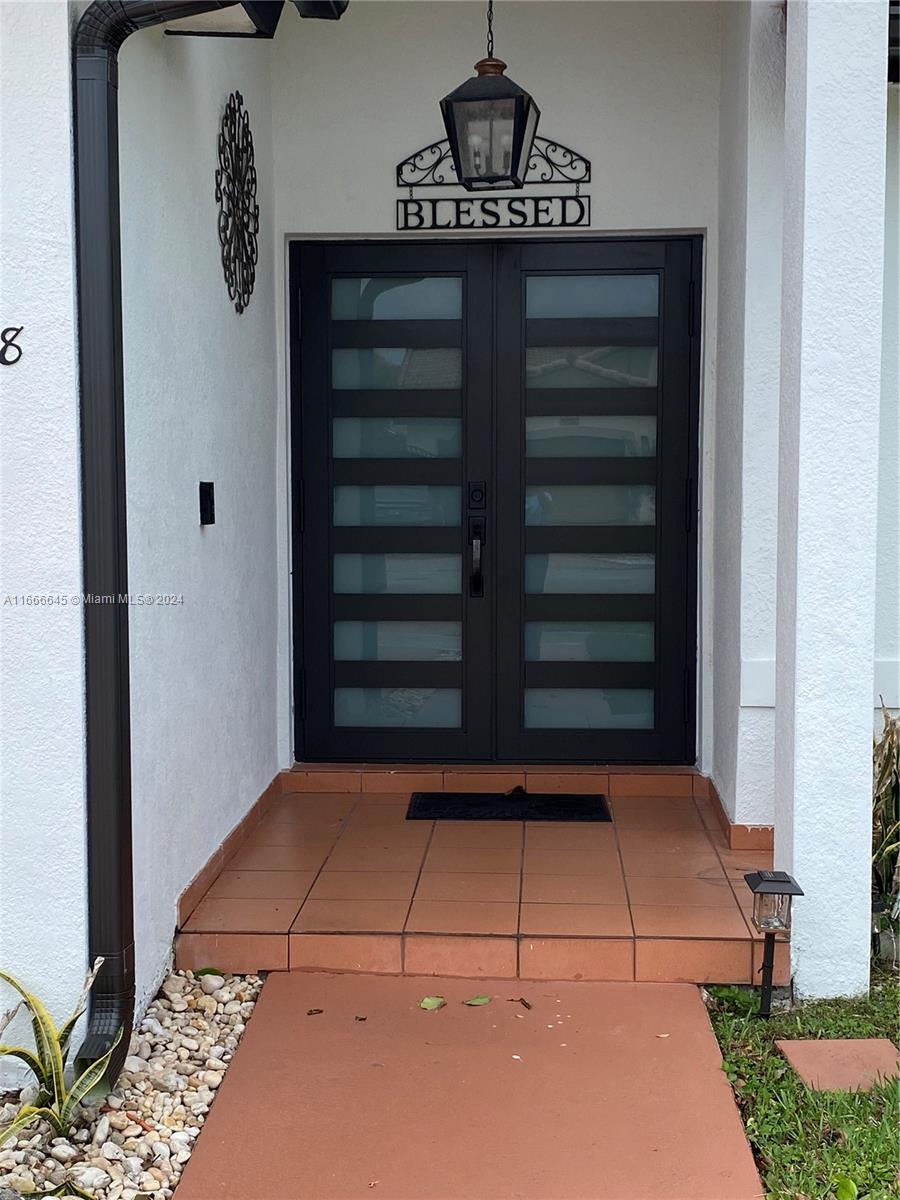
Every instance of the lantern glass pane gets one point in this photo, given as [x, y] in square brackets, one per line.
[525, 152]
[771, 912]
[485, 132]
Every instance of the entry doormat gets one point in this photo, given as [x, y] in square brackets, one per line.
[517, 805]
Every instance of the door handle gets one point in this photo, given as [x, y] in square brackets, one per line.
[476, 542]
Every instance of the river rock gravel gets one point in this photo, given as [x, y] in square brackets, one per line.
[134, 1143]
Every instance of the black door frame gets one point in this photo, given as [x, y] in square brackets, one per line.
[678, 673]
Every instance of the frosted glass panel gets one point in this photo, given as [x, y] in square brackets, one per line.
[590, 504]
[411, 574]
[588, 708]
[410, 708]
[579, 573]
[592, 296]
[590, 366]
[396, 367]
[383, 504]
[397, 437]
[398, 641]
[399, 299]
[589, 641]
[590, 437]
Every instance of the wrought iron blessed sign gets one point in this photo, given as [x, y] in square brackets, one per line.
[550, 163]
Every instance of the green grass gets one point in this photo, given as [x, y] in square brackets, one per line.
[813, 1145]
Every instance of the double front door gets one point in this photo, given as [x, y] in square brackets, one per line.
[494, 447]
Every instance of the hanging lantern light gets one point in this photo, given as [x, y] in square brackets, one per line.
[491, 123]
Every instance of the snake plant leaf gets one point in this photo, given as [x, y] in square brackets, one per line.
[477, 1001]
[29, 1058]
[86, 1082]
[46, 1038]
[64, 1189]
[65, 1034]
[430, 1003]
[25, 1116]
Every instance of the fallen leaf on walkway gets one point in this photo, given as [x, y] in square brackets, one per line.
[430, 1003]
[314, 1012]
[360, 1018]
[519, 1000]
[477, 1001]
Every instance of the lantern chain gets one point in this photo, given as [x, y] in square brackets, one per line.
[490, 29]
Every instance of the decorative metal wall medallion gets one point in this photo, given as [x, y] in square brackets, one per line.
[236, 197]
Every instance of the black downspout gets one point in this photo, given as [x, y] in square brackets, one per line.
[101, 31]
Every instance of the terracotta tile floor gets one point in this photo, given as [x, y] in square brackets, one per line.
[336, 881]
[611, 1090]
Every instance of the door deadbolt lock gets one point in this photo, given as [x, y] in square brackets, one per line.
[477, 494]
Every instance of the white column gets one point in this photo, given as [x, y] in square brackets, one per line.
[835, 100]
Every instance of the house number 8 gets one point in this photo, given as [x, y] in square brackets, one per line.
[11, 351]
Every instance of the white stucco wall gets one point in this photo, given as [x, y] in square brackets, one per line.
[632, 86]
[750, 189]
[199, 405]
[730, 358]
[43, 935]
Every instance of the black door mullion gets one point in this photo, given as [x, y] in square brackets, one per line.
[590, 608]
[418, 334]
[590, 470]
[395, 539]
[396, 402]
[590, 539]
[397, 472]
[509, 437]
[312, 526]
[478, 604]
[591, 331]
[590, 674]
[589, 402]
[400, 674]
[359, 606]
[675, 433]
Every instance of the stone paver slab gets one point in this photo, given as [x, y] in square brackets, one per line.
[841, 1064]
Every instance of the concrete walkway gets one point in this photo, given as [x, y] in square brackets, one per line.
[599, 1091]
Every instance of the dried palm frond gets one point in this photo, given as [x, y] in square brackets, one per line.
[886, 814]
